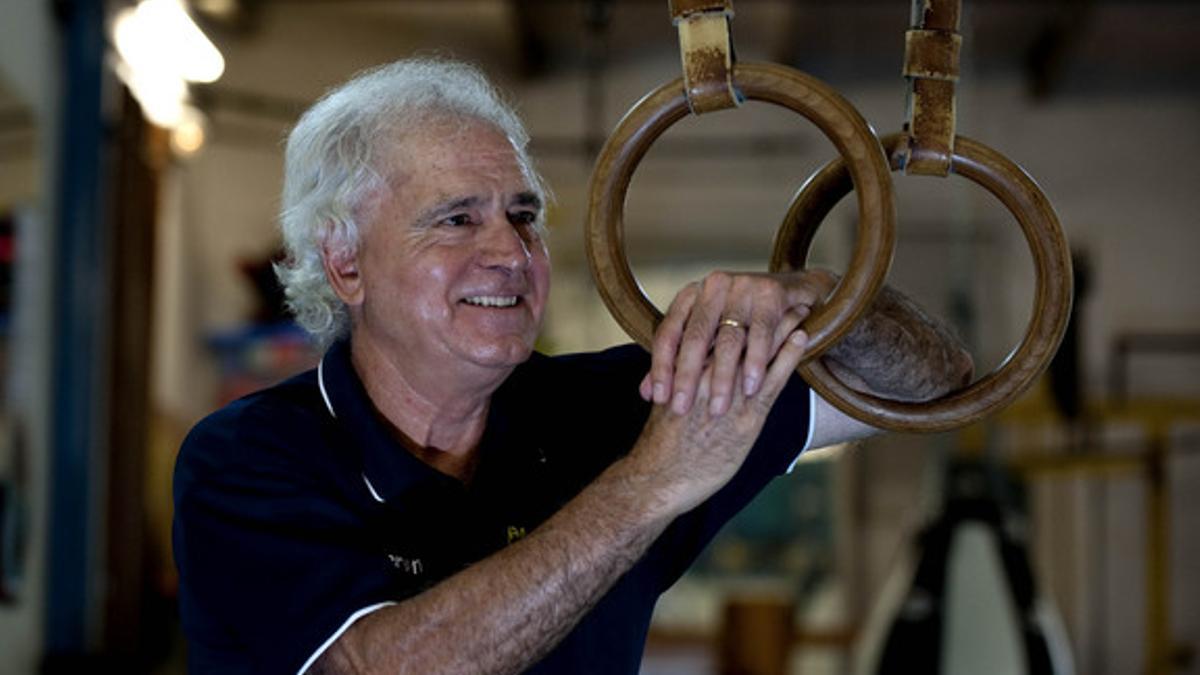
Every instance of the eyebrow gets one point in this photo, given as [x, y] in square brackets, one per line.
[431, 214]
[526, 198]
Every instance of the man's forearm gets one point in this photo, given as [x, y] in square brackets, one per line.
[899, 352]
[507, 611]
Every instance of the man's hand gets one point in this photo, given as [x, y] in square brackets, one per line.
[897, 351]
[766, 308]
[510, 609]
[691, 455]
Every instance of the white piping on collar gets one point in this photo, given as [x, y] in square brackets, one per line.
[372, 489]
[329, 405]
[321, 384]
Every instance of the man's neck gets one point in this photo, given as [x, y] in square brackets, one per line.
[439, 419]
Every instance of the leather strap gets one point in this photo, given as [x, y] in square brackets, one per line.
[706, 49]
[931, 64]
[931, 54]
[683, 8]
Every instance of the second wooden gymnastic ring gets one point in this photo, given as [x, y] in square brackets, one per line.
[1052, 300]
[784, 86]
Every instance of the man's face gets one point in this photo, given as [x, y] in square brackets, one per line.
[454, 271]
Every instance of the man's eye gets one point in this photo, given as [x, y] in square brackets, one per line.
[457, 220]
[523, 217]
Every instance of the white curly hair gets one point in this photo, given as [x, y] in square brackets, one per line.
[333, 165]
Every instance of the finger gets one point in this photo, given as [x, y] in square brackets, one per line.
[727, 351]
[666, 344]
[704, 387]
[760, 345]
[738, 397]
[698, 337]
[790, 322]
[644, 388]
[785, 363]
[812, 287]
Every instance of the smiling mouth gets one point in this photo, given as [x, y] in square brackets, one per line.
[499, 301]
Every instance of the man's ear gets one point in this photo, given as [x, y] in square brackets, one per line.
[341, 269]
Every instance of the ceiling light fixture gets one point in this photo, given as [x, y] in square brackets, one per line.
[161, 50]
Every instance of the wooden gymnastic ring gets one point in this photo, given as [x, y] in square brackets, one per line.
[1052, 301]
[784, 86]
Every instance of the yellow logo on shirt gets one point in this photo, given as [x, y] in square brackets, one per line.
[412, 566]
[515, 533]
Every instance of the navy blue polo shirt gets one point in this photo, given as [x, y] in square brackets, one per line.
[296, 513]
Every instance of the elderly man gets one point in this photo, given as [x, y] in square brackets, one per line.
[435, 497]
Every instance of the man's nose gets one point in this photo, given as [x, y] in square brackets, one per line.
[504, 246]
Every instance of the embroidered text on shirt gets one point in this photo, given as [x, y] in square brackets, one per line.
[411, 566]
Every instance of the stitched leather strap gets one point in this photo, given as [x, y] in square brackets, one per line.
[706, 49]
[682, 8]
[931, 58]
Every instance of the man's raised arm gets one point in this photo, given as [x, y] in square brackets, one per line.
[509, 610]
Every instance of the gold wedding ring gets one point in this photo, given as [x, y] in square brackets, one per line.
[732, 323]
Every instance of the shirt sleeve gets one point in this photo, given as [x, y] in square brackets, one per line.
[273, 565]
[812, 422]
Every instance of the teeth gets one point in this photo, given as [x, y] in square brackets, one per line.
[492, 300]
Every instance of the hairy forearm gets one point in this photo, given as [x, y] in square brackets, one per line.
[899, 352]
[507, 611]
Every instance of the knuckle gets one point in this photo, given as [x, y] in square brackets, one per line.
[702, 323]
[694, 332]
[770, 293]
[682, 299]
[664, 338]
[762, 323]
[753, 352]
[728, 339]
[718, 280]
[723, 383]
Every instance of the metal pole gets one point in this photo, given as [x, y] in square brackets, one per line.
[71, 592]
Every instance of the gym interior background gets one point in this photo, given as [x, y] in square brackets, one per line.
[135, 297]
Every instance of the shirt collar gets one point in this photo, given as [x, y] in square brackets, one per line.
[389, 470]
